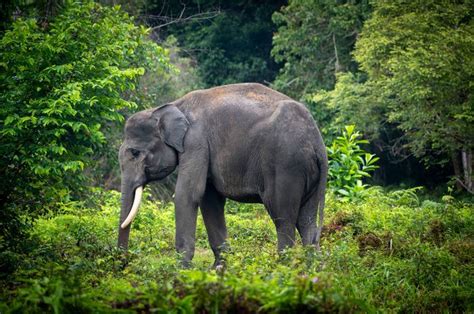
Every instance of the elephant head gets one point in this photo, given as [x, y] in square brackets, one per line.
[153, 141]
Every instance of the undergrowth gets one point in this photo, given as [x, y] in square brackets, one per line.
[390, 252]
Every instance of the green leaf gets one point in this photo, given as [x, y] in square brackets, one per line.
[343, 192]
[349, 129]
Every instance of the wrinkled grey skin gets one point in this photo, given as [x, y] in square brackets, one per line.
[244, 142]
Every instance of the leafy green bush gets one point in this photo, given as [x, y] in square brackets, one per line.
[61, 84]
[349, 163]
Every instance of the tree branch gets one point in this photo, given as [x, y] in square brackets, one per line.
[180, 19]
[463, 185]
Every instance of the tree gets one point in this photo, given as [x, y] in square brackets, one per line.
[42, 10]
[230, 45]
[420, 56]
[352, 101]
[60, 84]
[314, 42]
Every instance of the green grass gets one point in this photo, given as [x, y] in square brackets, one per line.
[391, 252]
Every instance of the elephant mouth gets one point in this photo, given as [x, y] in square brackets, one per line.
[158, 173]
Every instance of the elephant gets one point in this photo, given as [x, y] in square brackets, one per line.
[244, 142]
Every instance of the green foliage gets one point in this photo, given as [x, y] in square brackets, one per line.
[420, 57]
[349, 163]
[67, 79]
[386, 253]
[232, 45]
[350, 102]
[159, 87]
[314, 41]
[413, 99]
[60, 85]
[44, 10]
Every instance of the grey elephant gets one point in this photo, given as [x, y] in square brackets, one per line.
[245, 142]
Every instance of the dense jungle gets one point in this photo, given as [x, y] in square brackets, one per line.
[389, 84]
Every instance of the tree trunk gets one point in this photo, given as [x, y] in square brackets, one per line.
[337, 65]
[467, 170]
[455, 157]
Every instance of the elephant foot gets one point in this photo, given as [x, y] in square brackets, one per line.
[219, 255]
[220, 267]
[317, 247]
[220, 262]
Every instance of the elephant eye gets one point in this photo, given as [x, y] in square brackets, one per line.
[135, 153]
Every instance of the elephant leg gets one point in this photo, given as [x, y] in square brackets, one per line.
[212, 209]
[283, 203]
[306, 223]
[285, 233]
[190, 188]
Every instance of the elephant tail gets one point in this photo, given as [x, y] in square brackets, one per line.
[321, 194]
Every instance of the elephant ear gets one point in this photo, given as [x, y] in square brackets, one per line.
[172, 125]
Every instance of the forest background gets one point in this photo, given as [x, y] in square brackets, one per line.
[72, 72]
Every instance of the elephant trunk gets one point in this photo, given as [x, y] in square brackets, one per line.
[128, 212]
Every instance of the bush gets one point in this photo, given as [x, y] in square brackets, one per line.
[348, 164]
[60, 84]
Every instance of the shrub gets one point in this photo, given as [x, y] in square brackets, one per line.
[349, 163]
[60, 84]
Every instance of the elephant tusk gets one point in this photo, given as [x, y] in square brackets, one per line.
[133, 212]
